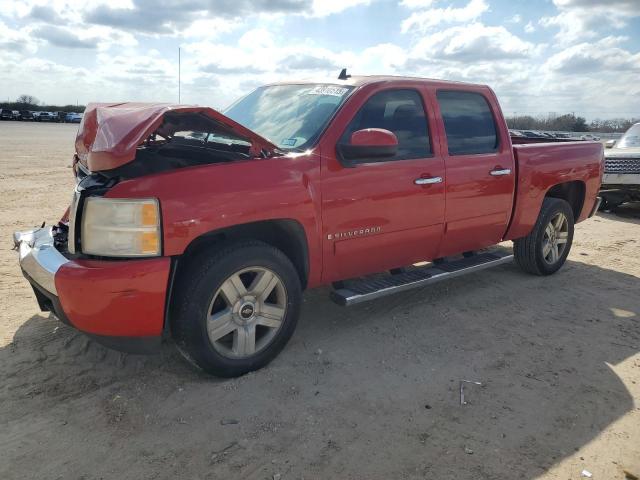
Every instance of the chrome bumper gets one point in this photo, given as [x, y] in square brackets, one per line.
[621, 179]
[39, 259]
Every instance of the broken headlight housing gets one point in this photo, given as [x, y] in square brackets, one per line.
[115, 227]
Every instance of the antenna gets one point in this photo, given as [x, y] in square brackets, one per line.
[343, 74]
[179, 72]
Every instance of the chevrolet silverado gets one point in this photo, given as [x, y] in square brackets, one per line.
[206, 227]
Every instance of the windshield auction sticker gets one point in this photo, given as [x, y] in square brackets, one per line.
[330, 90]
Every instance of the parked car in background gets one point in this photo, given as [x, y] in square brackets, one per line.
[6, 114]
[26, 115]
[44, 117]
[211, 237]
[621, 178]
[516, 133]
[73, 117]
[532, 134]
[590, 137]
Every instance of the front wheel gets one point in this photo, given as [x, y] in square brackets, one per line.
[546, 248]
[236, 309]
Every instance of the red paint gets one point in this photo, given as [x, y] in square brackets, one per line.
[359, 220]
[374, 137]
[115, 298]
[540, 167]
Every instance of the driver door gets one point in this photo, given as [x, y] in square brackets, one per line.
[382, 213]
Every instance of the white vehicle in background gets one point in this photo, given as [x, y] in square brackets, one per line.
[621, 179]
[590, 137]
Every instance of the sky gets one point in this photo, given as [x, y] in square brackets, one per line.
[540, 56]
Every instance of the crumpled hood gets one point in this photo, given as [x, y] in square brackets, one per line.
[109, 133]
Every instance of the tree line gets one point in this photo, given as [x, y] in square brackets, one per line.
[29, 102]
[570, 123]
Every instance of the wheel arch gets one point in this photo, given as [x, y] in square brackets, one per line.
[285, 234]
[572, 192]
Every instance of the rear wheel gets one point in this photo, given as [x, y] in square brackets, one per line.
[236, 310]
[546, 248]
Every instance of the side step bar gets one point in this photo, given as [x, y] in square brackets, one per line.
[365, 289]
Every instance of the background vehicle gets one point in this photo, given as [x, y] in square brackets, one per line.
[532, 134]
[213, 237]
[26, 115]
[589, 136]
[73, 117]
[44, 117]
[621, 179]
[6, 114]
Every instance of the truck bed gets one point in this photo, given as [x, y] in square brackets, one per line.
[540, 166]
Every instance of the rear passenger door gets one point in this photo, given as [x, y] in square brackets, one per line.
[479, 171]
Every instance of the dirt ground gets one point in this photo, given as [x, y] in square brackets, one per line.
[369, 392]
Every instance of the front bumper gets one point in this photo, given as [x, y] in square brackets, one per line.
[120, 303]
[39, 259]
[626, 179]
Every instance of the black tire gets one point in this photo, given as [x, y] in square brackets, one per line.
[528, 251]
[609, 203]
[198, 284]
[604, 205]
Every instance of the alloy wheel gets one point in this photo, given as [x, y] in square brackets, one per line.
[246, 312]
[556, 236]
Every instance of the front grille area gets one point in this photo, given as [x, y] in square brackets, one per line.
[622, 165]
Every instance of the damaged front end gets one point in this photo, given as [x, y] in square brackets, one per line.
[132, 139]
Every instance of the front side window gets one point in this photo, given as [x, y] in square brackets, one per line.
[289, 116]
[468, 123]
[401, 112]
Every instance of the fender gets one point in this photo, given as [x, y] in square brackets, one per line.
[197, 200]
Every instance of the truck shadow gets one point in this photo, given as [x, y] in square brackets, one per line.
[366, 392]
[628, 212]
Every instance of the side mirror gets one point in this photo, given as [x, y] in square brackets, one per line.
[610, 144]
[369, 143]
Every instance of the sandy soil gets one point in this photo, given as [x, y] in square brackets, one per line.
[369, 392]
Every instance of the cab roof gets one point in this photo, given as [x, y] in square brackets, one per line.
[362, 80]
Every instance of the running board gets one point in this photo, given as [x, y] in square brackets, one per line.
[365, 289]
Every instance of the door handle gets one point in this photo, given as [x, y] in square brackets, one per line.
[427, 181]
[500, 172]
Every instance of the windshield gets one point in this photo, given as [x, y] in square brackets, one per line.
[630, 139]
[289, 116]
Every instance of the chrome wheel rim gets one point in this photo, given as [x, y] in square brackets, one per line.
[555, 239]
[246, 312]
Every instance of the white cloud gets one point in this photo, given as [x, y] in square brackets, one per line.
[579, 19]
[601, 57]
[413, 4]
[322, 8]
[471, 43]
[424, 20]
[226, 53]
[15, 42]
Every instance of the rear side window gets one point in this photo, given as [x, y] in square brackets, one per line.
[468, 122]
[400, 111]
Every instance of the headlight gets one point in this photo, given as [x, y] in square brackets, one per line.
[114, 227]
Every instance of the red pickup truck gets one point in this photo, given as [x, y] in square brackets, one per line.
[206, 227]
